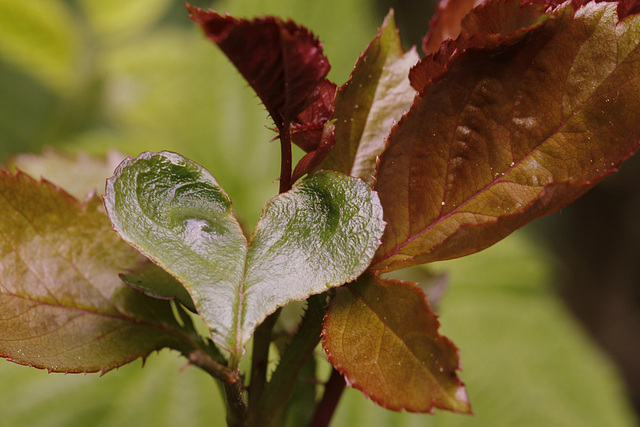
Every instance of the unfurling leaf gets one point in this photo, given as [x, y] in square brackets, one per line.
[381, 335]
[309, 126]
[153, 281]
[320, 234]
[62, 305]
[376, 95]
[510, 133]
[282, 61]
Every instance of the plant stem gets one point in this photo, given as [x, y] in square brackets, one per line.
[232, 382]
[278, 390]
[236, 406]
[260, 358]
[332, 392]
[285, 158]
[204, 361]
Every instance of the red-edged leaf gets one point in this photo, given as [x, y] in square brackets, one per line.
[381, 335]
[62, 305]
[492, 24]
[509, 134]
[625, 7]
[282, 61]
[446, 23]
[308, 129]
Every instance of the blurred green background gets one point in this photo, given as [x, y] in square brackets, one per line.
[135, 75]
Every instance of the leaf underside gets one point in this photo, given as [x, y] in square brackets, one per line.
[382, 336]
[509, 133]
[62, 305]
[365, 108]
[322, 233]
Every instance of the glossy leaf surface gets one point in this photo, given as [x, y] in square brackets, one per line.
[62, 305]
[282, 61]
[376, 95]
[322, 233]
[510, 133]
[382, 336]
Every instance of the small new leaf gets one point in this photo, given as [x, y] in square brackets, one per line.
[62, 304]
[153, 281]
[382, 336]
[320, 234]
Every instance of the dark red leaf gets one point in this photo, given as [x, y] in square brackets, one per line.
[282, 61]
[307, 131]
[312, 159]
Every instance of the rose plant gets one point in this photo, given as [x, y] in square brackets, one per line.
[516, 109]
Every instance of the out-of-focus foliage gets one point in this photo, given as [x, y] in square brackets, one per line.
[138, 75]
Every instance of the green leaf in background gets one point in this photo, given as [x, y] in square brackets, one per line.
[376, 95]
[78, 175]
[382, 336]
[62, 304]
[510, 133]
[322, 233]
[116, 21]
[40, 38]
[162, 394]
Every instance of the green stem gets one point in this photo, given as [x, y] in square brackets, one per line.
[332, 392]
[277, 392]
[260, 358]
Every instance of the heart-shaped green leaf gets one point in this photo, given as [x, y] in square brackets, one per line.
[322, 233]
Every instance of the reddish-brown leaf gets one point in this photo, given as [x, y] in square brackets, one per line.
[62, 305]
[382, 336]
[491, 24]
[312, 159]
[282, 61]
[508, 134]
[446, 23]
[308, 129]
